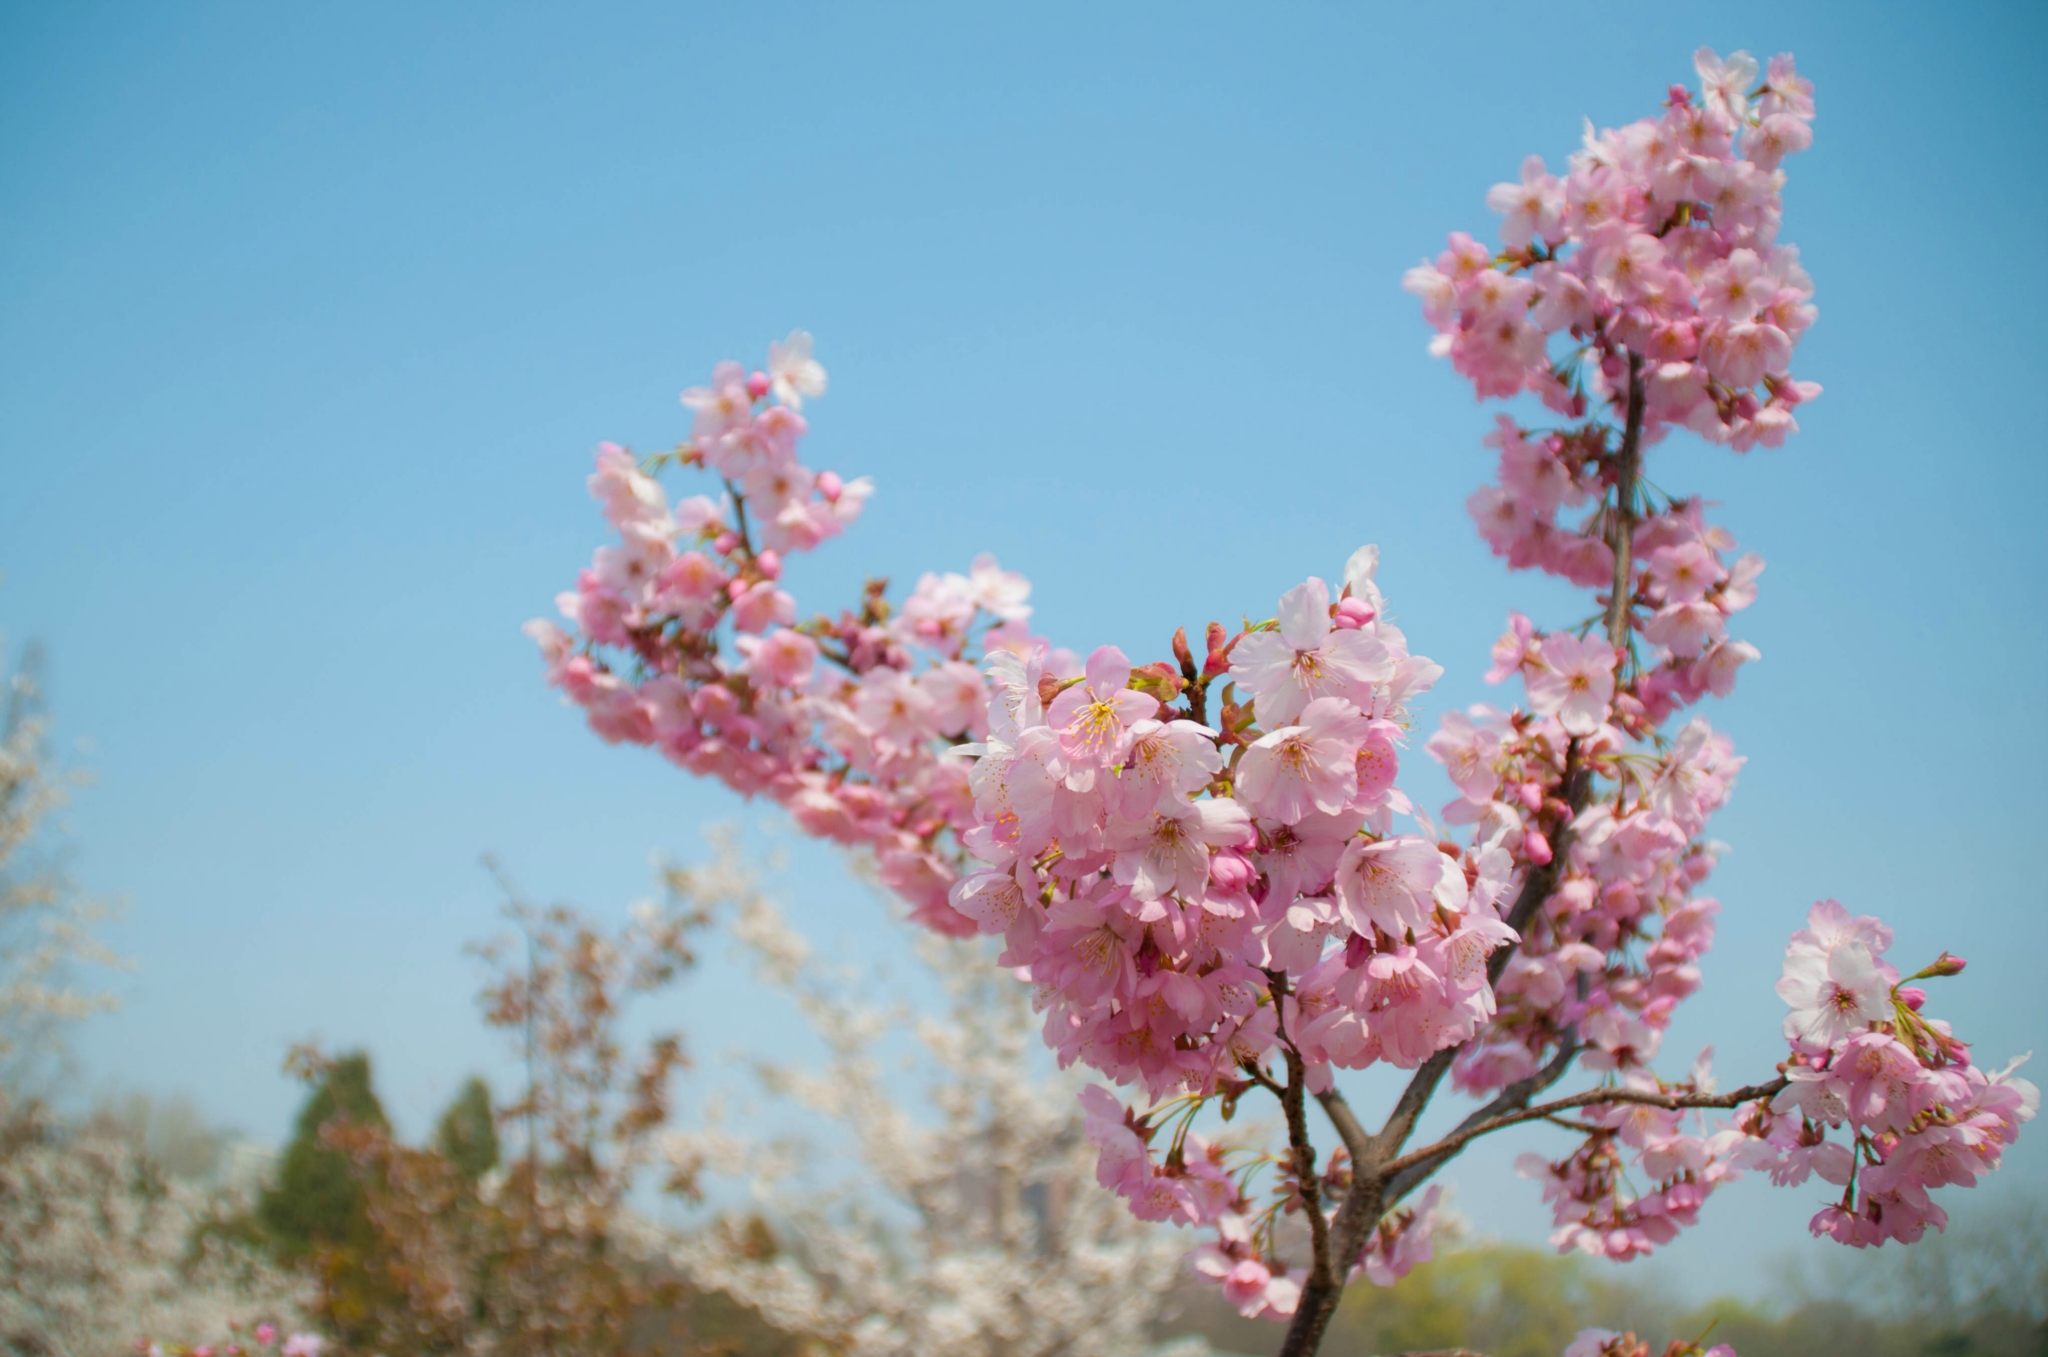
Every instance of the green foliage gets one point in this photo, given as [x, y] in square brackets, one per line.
[467, 1136]
[1511, 1301]
[1505, 1301]
[316, 1199]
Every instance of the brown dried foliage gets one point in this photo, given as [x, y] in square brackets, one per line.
[542, 1256]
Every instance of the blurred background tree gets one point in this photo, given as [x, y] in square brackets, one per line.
[467, 1136]
[47, 925]
[316, 1199]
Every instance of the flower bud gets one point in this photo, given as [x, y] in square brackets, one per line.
[1219, 650]
[1940, 966]
[770, 562]
[725, 542]
[1353, 613]
[1912, 996]
[1157, 681]
[829, 485]
[1536, 848]
[1230, 871]
[758, 384]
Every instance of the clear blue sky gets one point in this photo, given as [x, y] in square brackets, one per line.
[310, 316]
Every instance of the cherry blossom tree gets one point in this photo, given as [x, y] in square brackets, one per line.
[1203, 864]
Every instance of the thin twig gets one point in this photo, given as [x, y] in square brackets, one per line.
[1592, 1097]
[1292, 1102]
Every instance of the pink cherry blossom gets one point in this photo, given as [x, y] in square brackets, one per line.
[1310, 766]
[1575, 682]
[1094, 717]
[1306, 658]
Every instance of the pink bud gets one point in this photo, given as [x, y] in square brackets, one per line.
[770, 562]
[1229, 870]
[758, 384]
[1913, 997]
[725, 542]
[1942, 965]
[1353, 612]
[829, 485]
[734, 588]
[1536, 848]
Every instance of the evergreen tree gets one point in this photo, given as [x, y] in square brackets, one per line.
[316, 1200]
[467, 1136]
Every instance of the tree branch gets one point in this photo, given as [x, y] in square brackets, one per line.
[1354, 1135]
[1670, 1102]
[1623, 530]
[1293, 1103]
[1405, 1175]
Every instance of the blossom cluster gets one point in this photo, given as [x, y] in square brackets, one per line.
[1186, 896]
[1599, 815]
[683, 639]
[1196, 1182]
[1658, 255]
[1655, 253]
[1918, 1113]
[1592, 1203]
[1153, 874]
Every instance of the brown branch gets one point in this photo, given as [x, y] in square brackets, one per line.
[1592, 1097]
[1402, 1176]
[1623, 529]
[1293, 1103]
[1354, 1135]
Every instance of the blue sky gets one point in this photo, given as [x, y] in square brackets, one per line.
[310, 316]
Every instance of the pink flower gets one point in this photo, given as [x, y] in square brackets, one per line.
[1534, 208]
[785, 658]
[1736, 288]
[1311, 766]
[1684, 573]
[1307, 659]
[792, 373]
[760, 606]
[894, 708]
[1575, 683]
[304, 1345]
[1166, 761]
[959, 701]
[1832, 995]
[1388, 884]
[1515, 647]
[1741, 354]
[1094, 717]
[1776, 137]
[1168, 852]
[995, 900]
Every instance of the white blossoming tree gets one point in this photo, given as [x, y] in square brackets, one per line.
[981, 1232]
